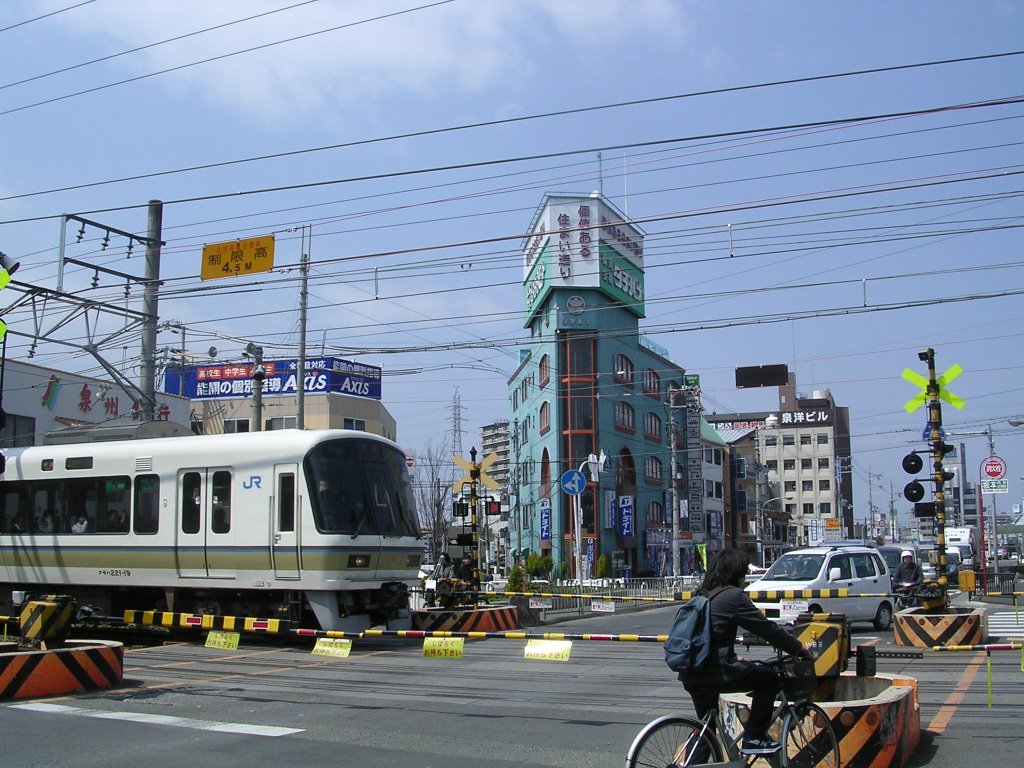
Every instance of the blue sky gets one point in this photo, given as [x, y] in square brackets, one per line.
[417, 269]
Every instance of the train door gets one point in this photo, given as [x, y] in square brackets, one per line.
[284, 511]
[190, 533]
[204, 493]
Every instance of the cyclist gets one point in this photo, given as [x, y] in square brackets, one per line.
[909, 572]
[726, 673]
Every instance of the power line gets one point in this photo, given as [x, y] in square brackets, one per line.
[46, 15]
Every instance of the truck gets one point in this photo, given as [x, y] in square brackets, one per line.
[964, 539]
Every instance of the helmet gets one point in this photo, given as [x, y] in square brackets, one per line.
[906, 553]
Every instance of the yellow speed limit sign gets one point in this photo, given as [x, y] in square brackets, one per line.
[237, 257]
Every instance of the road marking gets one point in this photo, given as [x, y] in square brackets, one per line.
[166, 720]
[945, 713]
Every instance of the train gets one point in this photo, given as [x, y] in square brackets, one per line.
[315, 527]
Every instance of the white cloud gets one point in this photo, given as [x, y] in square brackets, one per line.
[463, 49]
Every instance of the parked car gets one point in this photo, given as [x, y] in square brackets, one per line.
[861, 570]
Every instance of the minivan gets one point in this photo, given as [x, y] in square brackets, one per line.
[861, 570]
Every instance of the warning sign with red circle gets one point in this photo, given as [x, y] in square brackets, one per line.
[993, 468]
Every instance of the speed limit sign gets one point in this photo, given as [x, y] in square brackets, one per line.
[993, 468]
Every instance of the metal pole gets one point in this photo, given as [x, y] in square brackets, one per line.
[150, 298]
[300, 387]
[995, 523]
[673, 484]
[757, 495]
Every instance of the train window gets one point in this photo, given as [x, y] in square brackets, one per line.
[286, 502]
[191, 489]
[147, 504]
[220, 520]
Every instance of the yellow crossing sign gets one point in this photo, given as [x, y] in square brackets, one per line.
[944, 394]
[475, 472]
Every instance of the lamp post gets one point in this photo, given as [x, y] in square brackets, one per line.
[594, 462]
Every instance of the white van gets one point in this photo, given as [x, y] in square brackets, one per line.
[861, 570]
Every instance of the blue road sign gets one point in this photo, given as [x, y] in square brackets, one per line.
[573, 482]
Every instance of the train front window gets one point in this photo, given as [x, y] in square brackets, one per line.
[360, 487]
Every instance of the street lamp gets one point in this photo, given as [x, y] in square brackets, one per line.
[594, 462]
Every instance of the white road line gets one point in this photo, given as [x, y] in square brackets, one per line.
[148, 719]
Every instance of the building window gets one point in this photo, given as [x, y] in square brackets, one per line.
[807, 485]
[18, 431]
[655, 512]
[808, 510]
[791, 486]
[652, 383]
[652, 426]
[788, 440]
[825, 508]
[623, 370]
[709, 488]
[231, 426]
[713, 456]
[772, 465]
[789, 464]
[625, 416]
[545, 417]
[281, 422]
[544, 371]
[806, 464]
[771, 441]
[358, 424]
[823, 439]
[825, 485]
[823, 463]
[805, 439]
[653, 469]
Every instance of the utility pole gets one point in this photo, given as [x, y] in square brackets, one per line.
[300, 387]
[150, 310]
[673, 395]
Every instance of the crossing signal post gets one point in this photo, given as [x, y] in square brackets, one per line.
[470, 483]
[913, 463]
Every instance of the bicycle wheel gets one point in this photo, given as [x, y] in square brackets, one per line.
[808, 739]
[673, 741]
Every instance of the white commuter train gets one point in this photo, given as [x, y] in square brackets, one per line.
[318, 527]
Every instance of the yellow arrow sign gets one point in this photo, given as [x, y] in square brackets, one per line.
[944, 394]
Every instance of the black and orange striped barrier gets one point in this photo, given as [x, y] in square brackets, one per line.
[82, 666]
[927, 630]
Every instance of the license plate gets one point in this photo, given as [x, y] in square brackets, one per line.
[794, 607]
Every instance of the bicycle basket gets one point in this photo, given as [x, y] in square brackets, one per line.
[798, 678]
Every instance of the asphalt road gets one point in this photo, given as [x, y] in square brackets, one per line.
[387, 704]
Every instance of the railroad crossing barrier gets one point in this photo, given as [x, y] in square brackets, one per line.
[919, 628]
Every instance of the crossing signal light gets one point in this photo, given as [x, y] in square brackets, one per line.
[912, 463]
[913, 491]
[926, 509]
[492, 506]
[460, 509]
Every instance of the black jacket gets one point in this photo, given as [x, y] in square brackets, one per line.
[731, 609]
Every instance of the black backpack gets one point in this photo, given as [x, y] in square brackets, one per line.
[688, 648]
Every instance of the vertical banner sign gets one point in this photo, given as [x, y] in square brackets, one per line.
[626, 516]
[545, 519]
[591, 550]
[610, 508]
[694, 469]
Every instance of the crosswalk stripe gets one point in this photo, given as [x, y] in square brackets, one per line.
[1006, 624]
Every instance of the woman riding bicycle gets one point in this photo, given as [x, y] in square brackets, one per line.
[726, 673]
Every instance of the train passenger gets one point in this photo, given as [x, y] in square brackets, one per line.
[46, 523]
[117, 521]
[82, 526]
[18, 524]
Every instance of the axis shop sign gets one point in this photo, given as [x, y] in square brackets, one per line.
[323, 375]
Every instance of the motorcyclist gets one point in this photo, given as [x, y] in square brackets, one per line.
[909, 571]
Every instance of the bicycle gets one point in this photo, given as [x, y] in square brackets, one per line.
[801, 726]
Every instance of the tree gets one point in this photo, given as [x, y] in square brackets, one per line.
[434, 475]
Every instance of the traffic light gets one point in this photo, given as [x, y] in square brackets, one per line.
[912, 463]
[492, 506]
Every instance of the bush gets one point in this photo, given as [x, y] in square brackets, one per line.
[602, 566]
[516, 579]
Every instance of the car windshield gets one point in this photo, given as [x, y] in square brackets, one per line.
[795, 566]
